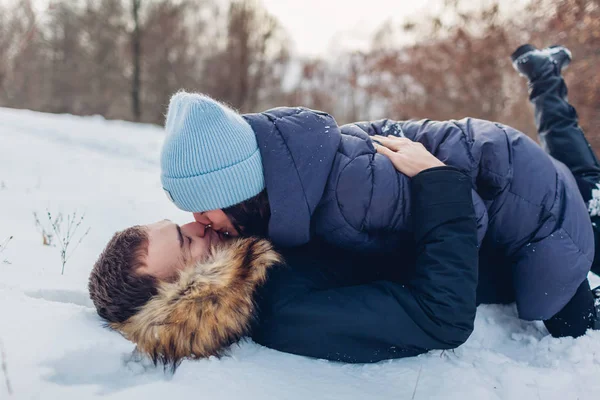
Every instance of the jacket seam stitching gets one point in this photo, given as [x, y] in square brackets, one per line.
[567, 233]
[275, 119]
[372, 175]
[468, 143]
[275, 127]
[337, 183]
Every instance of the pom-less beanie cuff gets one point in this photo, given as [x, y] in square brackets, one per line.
[227, 186]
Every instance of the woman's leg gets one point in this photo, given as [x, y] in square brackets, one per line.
[562, 137]
[556, 120]
[577, 316]
[558, 126]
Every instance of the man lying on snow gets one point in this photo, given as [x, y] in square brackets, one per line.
[191, 291]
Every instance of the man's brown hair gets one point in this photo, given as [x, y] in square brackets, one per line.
[115, 288]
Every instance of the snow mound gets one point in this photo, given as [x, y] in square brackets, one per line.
[56, 347]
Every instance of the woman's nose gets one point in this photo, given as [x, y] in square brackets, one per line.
[194, 229]
[200, 217]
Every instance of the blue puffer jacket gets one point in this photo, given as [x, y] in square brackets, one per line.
[328, 181]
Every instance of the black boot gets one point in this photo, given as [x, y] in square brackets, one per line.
[560, 55]
[533, 63]
[578, 315]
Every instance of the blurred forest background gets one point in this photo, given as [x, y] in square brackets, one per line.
[124, 58]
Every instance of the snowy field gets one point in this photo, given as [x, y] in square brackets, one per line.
[55, 347]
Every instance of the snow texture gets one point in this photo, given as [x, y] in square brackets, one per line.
[55, 346]
[393, 129]
[594, 204]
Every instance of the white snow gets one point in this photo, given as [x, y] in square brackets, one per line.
[594, 204]
[55, 345]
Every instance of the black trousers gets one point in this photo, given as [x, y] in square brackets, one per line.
[562, 137]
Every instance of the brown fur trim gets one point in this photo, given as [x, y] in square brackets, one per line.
[207, 309]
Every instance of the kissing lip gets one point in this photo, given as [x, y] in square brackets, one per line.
[214, 238]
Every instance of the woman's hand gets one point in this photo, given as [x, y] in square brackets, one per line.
[408, 157]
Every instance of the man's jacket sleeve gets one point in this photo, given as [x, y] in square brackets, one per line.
[383, 319]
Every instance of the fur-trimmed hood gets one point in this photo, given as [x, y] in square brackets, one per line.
[207, 309]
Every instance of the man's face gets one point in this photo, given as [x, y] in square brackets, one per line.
[171, 247]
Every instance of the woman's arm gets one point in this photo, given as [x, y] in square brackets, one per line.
[382, 320]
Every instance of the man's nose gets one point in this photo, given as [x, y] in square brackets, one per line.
[194, 229]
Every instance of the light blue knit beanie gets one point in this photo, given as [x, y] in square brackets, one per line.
[210, 158]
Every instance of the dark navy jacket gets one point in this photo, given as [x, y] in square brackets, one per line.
[352, 307]
[327, 182]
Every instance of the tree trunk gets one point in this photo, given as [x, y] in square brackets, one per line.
[136, 55]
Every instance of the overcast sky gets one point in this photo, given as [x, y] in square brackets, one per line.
[315, 25]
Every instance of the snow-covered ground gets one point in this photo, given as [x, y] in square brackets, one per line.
[55, 346]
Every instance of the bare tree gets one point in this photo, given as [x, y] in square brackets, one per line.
[168, 57]
[80, 56]
[5, 43]
[136, 56]
[252, 63]
[103, 43]
[22, 64]
[67, 77]
[314, 88]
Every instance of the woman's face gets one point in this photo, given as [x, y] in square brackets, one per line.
[218, 221]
